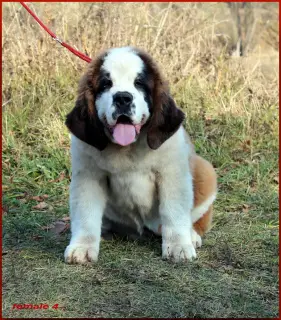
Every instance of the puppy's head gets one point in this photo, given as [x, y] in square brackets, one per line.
[121, 93]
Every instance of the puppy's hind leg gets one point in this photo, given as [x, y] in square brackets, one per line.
[205, 188]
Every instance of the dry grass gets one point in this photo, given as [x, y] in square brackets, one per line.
[231, 105]
[186, 40]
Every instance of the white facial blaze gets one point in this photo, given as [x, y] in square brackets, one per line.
[123, 66]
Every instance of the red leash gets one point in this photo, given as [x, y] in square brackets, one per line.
[77, 53]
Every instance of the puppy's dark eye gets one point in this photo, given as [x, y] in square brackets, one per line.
[138, 82]
[105, 84]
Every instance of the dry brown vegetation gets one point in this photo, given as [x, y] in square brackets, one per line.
[231, 103]
[194, 44]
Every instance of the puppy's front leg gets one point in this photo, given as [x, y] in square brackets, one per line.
[87, 203]
[176, 201]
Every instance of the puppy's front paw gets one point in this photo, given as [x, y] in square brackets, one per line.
[81, 253]
[178, 250]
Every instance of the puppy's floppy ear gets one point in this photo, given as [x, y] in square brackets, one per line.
[83, 121]
[166, 117]
[165, 121]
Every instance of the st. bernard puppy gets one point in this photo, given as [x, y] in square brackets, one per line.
[132, 161]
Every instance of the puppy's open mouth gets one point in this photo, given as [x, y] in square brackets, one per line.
[124, 131]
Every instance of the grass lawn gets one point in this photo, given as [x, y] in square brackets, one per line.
[235, 275]
[233, 121]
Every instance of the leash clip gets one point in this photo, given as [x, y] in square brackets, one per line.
[57, 39]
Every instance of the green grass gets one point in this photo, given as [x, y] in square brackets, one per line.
[232, 116]
[235, 275]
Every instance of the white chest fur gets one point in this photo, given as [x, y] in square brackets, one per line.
[132, 191]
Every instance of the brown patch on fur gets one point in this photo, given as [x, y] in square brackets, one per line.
[204, 223]
[205, 185]
[89, 83]
[166, 117]
[204, 179]
[83, 120]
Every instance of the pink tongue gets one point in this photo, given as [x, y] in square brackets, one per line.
[124, 134]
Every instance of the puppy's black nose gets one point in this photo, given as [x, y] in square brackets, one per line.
[122, 99]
